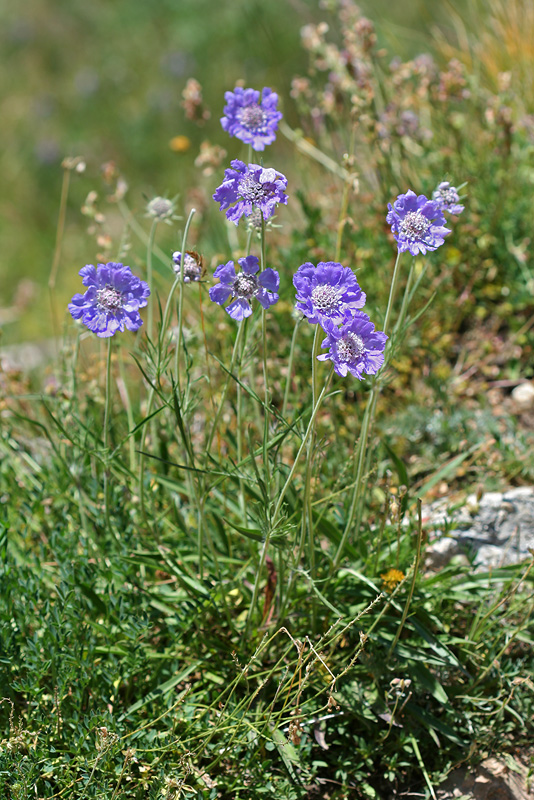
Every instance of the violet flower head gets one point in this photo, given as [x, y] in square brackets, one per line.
[326, 292]
[417, 223]
[355, 347]
[250, 187]
[251, 119]
[447, 198]
[244, 286]
[112, 300]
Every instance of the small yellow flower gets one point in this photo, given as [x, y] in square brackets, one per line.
[180, 144]
[391, 578]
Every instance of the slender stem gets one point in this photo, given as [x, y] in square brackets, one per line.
[361, 450]
[129, 412]
[242, 501]
[149, 248]
[107, 407]
[307, 518]
[290, 367]
[414, 578]
[204, 336]
[140, 231]
[225, 388]
[181, 296]
[392, 292]
[152, 392]
[266, 464]
[278, 507]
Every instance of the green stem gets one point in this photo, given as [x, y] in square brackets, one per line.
[307, 518]
[129, 412]
[242, 499]
[361, 450]
[151, 395]
[290, 367]
[266, 464]
[181, 297]
[278, 507]
[225, 388]
[107, 407]
[392, 292]
[149, 247]
[414, 578]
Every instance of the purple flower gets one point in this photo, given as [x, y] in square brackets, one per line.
[355, 347]
[244, 286]
[112, 300]
[417, 223]
[250, 187]
[447, 198]
[328, 291]
[252, 120]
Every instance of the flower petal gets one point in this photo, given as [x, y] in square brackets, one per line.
[239, 309]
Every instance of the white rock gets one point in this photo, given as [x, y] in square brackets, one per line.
[523, 396]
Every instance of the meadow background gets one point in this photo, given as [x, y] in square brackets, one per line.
[104, 81]
[147, 649]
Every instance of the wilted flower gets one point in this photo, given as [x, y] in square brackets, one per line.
[447, 198]
[355, 347]
[252, 120]
[193, 103]
[417, 223]
[326, 292]
[250, 187]
[209, 158]
[244, 286]
[112, 300]
[193, 265]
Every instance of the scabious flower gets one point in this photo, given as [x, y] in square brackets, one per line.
[193, 265]
[250, 187]
[355, 347]
[112, 300]
[244, 286]
[327, 292]
[417, 223]
[251, 119]
[447, 198]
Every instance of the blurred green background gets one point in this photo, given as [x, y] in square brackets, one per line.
[104, 80]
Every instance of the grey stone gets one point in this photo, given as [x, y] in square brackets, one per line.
[498, 529]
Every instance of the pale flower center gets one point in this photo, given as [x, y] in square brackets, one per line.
[350, 348]
[449, 196]
[109, 298]
[192, 269]
[251, 189]
[245, 286]
[325, 298]
[252, 117]
[414, 226]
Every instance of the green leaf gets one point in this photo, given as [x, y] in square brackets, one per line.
[429, 681]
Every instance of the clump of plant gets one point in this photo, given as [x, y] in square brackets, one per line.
[223, 586]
